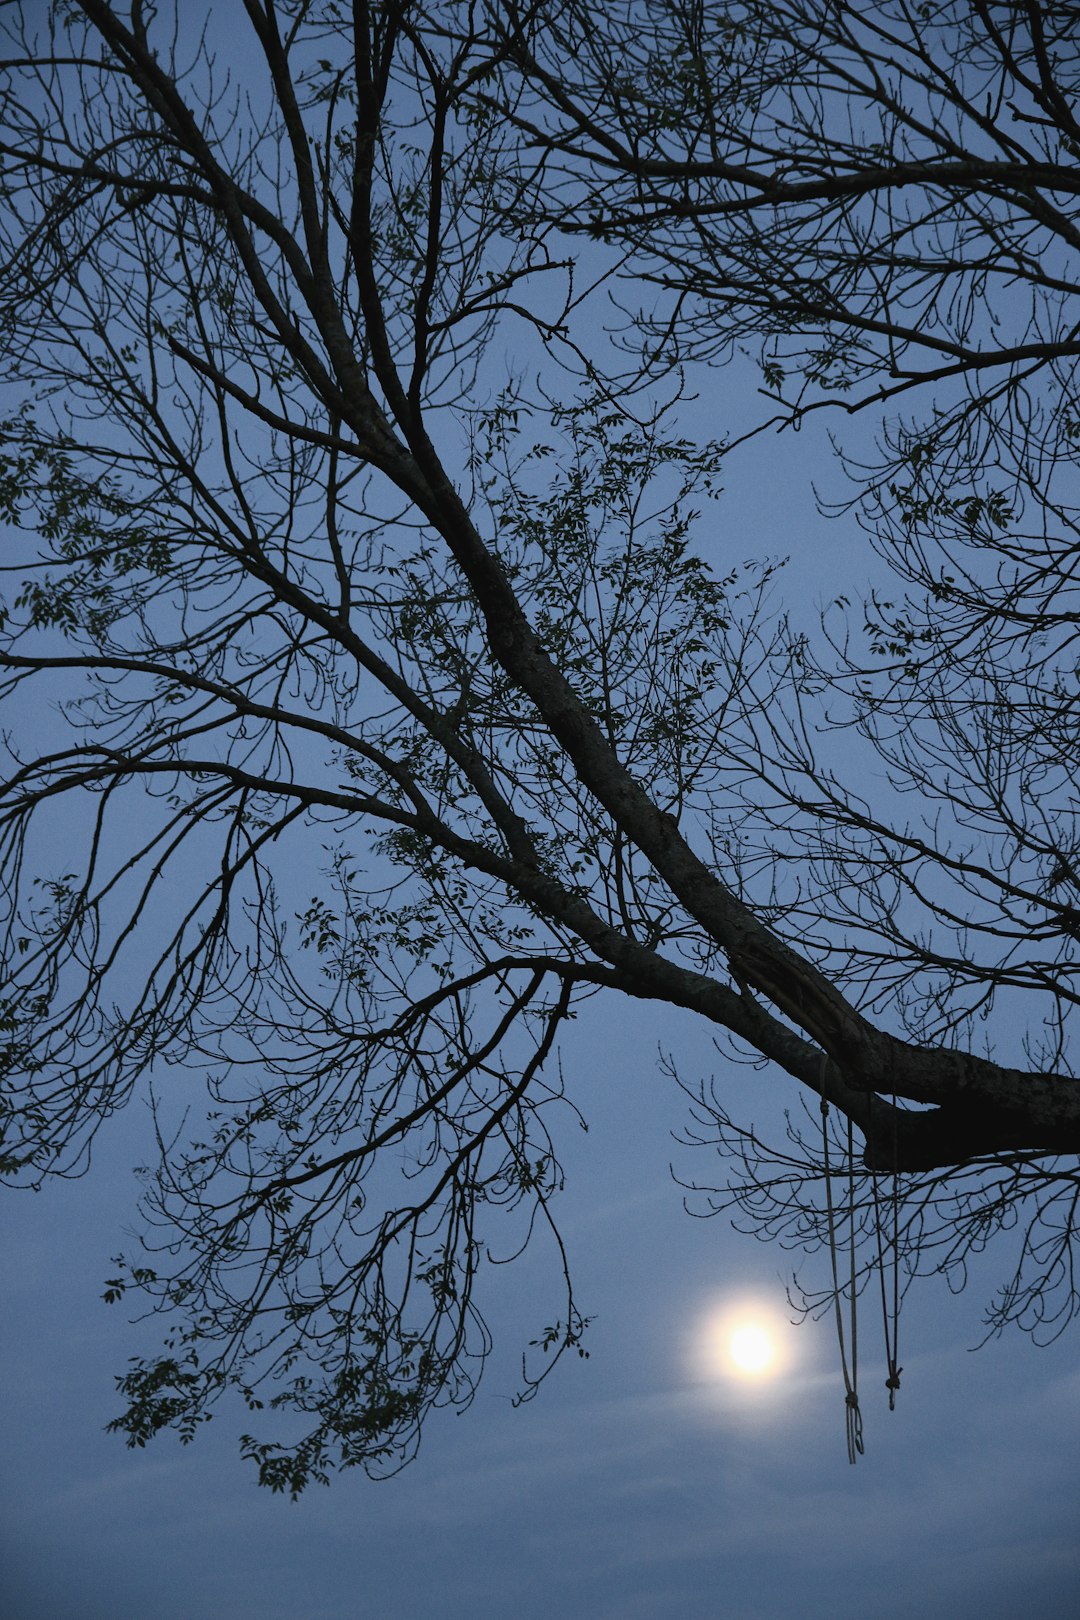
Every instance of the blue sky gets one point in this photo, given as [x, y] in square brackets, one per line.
[631, 1489]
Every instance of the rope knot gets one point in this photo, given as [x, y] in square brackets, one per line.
[892, 1384]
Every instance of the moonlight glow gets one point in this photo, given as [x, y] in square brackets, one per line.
[752, 1350]
[750, 1342]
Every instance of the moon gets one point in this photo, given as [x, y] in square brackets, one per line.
[752, 1350]
[748, 1342]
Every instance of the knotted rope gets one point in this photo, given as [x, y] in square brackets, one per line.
[852, 1415]
[890, 1319]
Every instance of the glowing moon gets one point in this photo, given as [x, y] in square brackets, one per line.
[752, 1350]
[748, 1341]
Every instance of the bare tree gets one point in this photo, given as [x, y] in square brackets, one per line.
[313, 575]
[879, 206]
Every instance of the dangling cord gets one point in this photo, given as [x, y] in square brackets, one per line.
[852, 1414]
[890, 1319]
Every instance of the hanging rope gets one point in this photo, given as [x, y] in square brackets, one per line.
[890, 1318]
[852, 1415]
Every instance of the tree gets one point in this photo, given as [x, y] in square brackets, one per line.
[878, 203]
[315, 574]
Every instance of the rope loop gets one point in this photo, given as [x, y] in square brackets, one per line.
[853, 1422]
[890, 1314]
[854, 1426]
[890, 1310]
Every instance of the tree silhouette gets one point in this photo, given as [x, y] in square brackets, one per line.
[313, 573]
